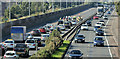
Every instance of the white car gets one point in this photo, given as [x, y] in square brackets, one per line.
[105, 17]
[102, 22]
[98, 24]
[74, 22]
[31, 43]
[10, 55]
[9, 43]
[84, 27]
[44, 36]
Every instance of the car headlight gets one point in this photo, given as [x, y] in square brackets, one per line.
[96, 32]
[83, 39]
[75, 38]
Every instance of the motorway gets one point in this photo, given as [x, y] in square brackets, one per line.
[84, 14]
[89, 50]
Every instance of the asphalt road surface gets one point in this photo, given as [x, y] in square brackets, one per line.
[88, 49]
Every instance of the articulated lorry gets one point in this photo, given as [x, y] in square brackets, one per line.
[18, 33]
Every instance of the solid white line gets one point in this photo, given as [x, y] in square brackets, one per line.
[107, 41]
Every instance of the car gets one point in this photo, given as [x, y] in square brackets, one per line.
[95, 17]
[9, 43]
[60, 22]
[75, 54]
[88, 23]
[74, 22]
[98, 41]
[105, 17]
[10, 55]
[108, 12]
[55, 28]
[42, 30]
[67, 24]
[98, 24]
[44, 36]
[84, 27]
[62, 27]
[102, 22]
[100, 32]
[79, 38]
[97, 27]
[38, 39]
[99, 15]
[21, 49]
[47, 28]
[28, 34]
[35, 32]
[31, 43]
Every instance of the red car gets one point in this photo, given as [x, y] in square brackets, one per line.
[95, 17]
[43, 30]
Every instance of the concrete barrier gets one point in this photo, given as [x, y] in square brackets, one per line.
[39, 20]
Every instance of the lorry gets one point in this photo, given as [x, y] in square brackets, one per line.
[18, 33]
[100, 10]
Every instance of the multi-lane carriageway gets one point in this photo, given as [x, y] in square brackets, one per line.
[87, 48]
[84, 14]
[110, 49]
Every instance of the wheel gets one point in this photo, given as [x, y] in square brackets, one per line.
[94, 45]
[75, 41]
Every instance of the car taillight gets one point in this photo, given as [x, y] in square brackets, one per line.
[4, 56]
[11, 44]
[33, 44]
[4, 44]
[38, 41]
[14, 56]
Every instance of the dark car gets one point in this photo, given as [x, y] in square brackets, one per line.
[42, 30]
[79, 38]
[38, 39]
[35, 33]
[100, 32]
[98, 41]
[60, 22]
[88, 23]
[75, 54]
[57, 28]
[21, 49]
[96, 28]
[68, 24]
[108, 12]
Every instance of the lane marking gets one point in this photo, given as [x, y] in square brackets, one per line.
[114, 37]
[107, 39]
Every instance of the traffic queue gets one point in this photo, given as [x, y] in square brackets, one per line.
[21, 42]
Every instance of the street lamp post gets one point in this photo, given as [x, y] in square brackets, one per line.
[60, 4]
[66, 3]
[29, 7]
[9, 11]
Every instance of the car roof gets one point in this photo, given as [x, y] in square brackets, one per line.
[45, 34]
[80, 34]
[98, 37]
[10, 52]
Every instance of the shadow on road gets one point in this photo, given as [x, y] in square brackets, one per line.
[110, 46]
[108, 35]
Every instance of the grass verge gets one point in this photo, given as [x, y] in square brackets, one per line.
[61, 50]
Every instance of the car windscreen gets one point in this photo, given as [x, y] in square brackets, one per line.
[8, 41]
[98, 38]
[97, 26]
[10, 53]
[21, 46]
[80, 36]
[75, 52]
[30, 41]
